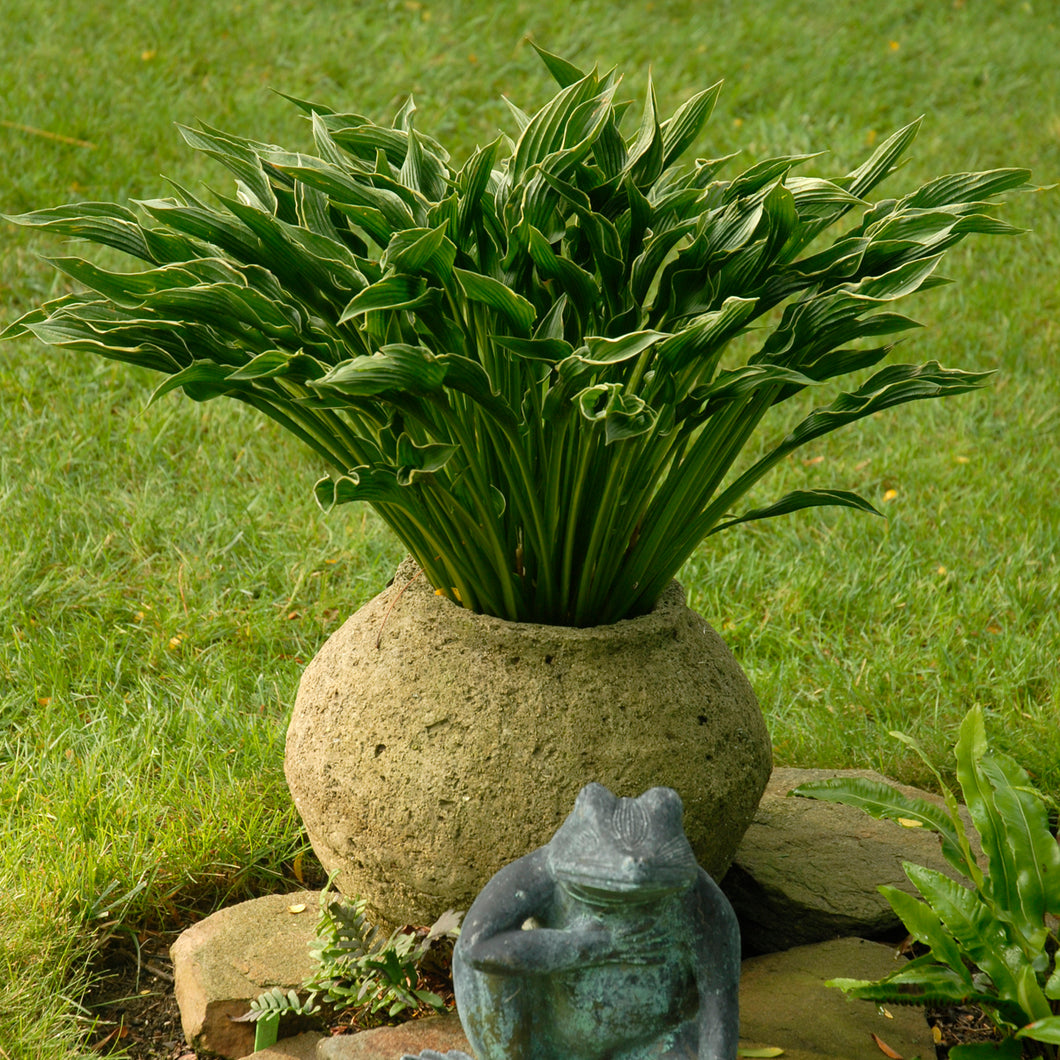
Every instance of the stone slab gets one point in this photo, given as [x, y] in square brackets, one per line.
[808, 870]
[226, 960]
[440, 1033]
[784, 1003]
[298, 1047]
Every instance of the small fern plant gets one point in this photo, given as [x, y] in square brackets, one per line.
[994, 940]
[372, 976]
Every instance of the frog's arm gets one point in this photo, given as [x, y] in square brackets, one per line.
[492, 938]
[716, 948]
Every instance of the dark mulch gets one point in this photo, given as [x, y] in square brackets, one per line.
[132, 1004]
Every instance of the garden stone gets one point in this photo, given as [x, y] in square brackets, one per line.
[226, 960]
[436, 1033]
[784, 1003]
[608, 941]
[297, 1047]
[808, 870]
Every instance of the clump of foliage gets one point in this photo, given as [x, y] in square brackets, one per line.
[993, 940]
[526, 364]
[367, 975]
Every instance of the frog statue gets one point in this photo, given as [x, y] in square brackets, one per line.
[607, 943]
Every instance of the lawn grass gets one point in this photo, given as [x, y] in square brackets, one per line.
[164, 576]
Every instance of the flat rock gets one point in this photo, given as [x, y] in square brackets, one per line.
[226, 960]
[298, 1047]
[785, 1004]
[808, 870]
[440, 1033]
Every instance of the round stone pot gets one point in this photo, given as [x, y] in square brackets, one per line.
[429, 746]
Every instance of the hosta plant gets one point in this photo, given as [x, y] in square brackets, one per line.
[542, 366]
[993, 939]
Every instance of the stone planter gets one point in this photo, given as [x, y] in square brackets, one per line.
[429, 745]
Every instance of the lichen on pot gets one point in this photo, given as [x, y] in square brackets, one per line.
[430, 745]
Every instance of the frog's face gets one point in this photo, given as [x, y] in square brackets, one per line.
[623, 851]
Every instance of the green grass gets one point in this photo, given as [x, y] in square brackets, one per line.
[164, 576]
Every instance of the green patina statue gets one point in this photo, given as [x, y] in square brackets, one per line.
[608, 943]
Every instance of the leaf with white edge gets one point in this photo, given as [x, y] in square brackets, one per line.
[201, 381]
[882, 161]
[624, 416]
[966, 187]
[397, 291]
[396, 368]
[796, 501]
[680, 131]
[601, 350]
[374, 485]
[421, 250]
[563, 72]
[488, 291]
[895, 385]
[550, 350]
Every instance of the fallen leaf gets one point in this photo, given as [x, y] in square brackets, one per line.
[908, 822]
[885, 1048]
[296, 865]
[299, 908]
[889, 495]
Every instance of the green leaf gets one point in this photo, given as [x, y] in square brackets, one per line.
[919, 982]
[421, 250]
[201, 381]
[979, 797]
[883, 801]
[925, 926]
[496, 295]
[396, 291]
[397, 368]
[702, 336]
[601, 350]
[374, 485]
[894, 385]
[966, 187]
[579, 286]
[266, 1031]
[624, 415]
[551, 351]
[882, 161]
[796, 501]
[547, 131]
[983, 937]
[105, 223]
[1043, 1030]
[680, 131]
[1052, 987]
[1006, 1049]
[563, 72]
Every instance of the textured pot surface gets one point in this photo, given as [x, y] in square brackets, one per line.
[429, 745]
